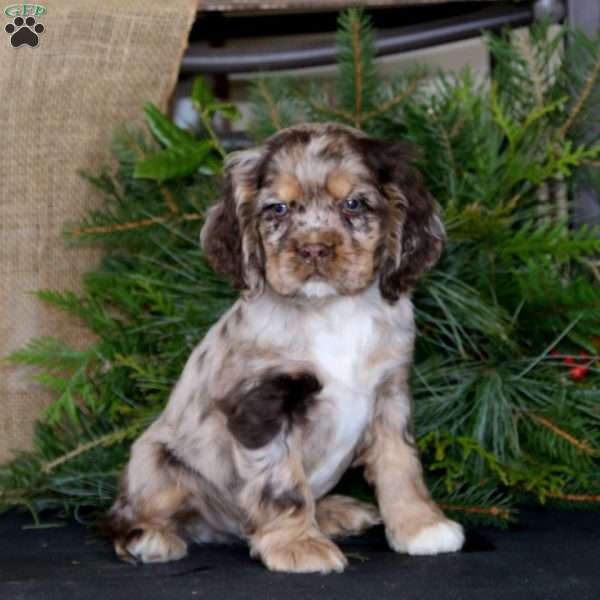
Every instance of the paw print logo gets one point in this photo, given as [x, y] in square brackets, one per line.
[24, 32]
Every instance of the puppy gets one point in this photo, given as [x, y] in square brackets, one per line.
[326, 231]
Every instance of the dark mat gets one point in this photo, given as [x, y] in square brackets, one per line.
[549, 555]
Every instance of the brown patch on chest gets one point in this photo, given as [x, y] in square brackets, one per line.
[255, 416]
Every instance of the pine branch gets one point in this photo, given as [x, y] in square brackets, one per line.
[581, 445]
[356, 79]
[592, 498]
[493, 511]
[390, 103]
[586, 90]
[78, 231]
[358, 67]
[268, 98]
[104, 440]
[274, 106]
[446, 142]
[534, 71]
[327, 111]
[169, 199]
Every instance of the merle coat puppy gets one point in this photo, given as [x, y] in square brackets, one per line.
[325, 231]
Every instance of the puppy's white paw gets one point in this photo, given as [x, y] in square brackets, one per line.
[444, 536]
[156, 546]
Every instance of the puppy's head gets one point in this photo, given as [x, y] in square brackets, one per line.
[322, 210]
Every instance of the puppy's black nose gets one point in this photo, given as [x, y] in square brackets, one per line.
[315, 252]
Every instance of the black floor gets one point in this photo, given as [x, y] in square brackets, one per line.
[550, 555]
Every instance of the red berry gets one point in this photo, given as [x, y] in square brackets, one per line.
[578, 373]
[569, 360]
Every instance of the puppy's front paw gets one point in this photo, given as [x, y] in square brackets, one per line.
[435, 538]
[306, 555]
[151, 546]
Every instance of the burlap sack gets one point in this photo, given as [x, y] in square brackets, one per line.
[97, 61]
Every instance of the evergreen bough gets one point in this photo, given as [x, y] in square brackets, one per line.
[500, 421]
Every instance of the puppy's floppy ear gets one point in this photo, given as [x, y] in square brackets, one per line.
[415, 235]
[229, 238]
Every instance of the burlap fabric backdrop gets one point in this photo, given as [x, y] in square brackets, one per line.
[95, 65]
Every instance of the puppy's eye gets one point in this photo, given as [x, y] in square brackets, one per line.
[354, 205]
[279, 208]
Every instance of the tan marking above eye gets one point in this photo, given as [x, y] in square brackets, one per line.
[339, 184]
[287, 187]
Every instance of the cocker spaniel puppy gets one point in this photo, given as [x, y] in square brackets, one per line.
[326, 231]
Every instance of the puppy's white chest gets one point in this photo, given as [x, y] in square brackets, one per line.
[339, 348]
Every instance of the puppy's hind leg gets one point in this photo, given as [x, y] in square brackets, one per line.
[340, 516]
[142, 522]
